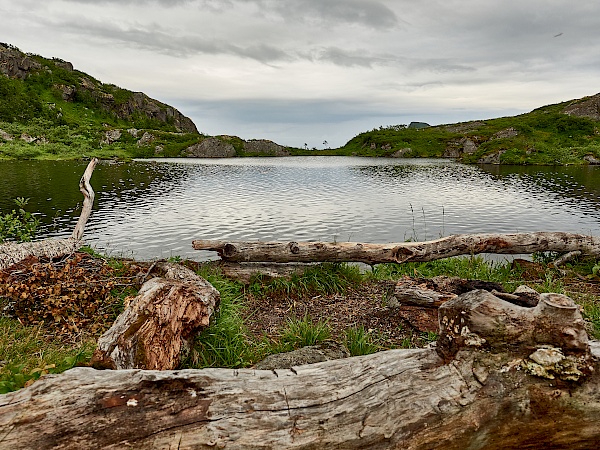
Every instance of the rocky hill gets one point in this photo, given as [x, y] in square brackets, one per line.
[49, 109]
[73, 86]
[564, 133]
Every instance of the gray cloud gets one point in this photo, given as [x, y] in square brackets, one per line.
[156, 38]
[330, 13]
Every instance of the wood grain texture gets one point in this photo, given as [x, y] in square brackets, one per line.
[159, 322]
[456, 245]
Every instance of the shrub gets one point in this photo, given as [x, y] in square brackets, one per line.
[18, 225]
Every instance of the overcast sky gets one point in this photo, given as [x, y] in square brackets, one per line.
[306, 71]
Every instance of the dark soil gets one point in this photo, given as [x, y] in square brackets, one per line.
[361, 306]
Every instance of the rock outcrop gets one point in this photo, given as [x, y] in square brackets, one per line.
[588, 107]
[264, 147]
[211, 147]
[16, 64]
[458, 147]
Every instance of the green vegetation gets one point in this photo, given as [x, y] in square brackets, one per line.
[25, 354]
[55, 112]
[545, 136]
[18, 225]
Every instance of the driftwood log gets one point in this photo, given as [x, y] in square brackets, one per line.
[501, 377]
[456, 245]
[11, 253]
[159, 323]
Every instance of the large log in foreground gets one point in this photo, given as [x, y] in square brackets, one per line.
[455, 245]
[503, 377]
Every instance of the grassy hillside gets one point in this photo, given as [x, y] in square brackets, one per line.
[544, 136]
[50, 110]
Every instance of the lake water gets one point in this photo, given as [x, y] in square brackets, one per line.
[155, 208]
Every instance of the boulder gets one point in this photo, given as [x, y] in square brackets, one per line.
[264, 147]
[591, 159]
[111, 136]
[211, 147]
[6, 136]
[146, 139]
[401, 153]
[491, 158]
[311, 354]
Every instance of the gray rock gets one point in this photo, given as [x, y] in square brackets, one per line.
[211, 147]
[264, 147]
[586, 107]
[326, 351]
[6, 136]
[146, 139]
[401, 153]
[29, 139]
[492, 158]
[591, 159]
[111, 136]
[507, 133]
[16, 64]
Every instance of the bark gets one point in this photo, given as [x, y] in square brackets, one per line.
[159, 323]
[466, 244]
[11, 253]
[433, 292]
[503, 377]
[246, 272]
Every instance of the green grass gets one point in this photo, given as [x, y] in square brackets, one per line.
[303, 332]
[360, 342]
[25, 355]
[470, 267]
[326, 278]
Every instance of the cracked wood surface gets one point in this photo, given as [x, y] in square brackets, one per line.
[455, 245]
[401, 399]
[159, 322]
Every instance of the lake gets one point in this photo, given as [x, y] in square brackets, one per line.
[151, 209]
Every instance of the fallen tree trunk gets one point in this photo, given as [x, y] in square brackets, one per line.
[456, 245]
[159, 322]
[502, 377]
[11, 253]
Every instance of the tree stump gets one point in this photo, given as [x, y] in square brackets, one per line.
[159, 323]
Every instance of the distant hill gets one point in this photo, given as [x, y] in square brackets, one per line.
[48, 109]
[564, 133]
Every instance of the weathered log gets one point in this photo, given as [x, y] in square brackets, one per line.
[433, 292]
[245, 272]
[456, 245]
[479, 390]
[159, 322]
[88, 199]
[11, 253]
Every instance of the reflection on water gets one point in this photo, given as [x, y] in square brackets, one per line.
[151, 209]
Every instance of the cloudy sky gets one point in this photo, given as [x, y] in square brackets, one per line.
[309, 71]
